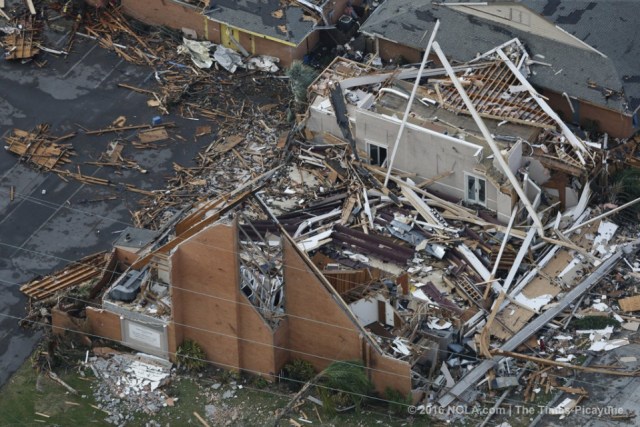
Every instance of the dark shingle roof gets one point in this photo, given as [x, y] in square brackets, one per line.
[260, 17]
[612, 27]
[462, 36]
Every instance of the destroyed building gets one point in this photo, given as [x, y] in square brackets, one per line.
[443, 144]
[253, 27]
[436, 240]
[415, 284]
[583, 55]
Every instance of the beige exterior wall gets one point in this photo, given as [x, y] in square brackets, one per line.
[429, 154]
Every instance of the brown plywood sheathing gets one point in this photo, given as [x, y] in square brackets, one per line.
[82, 271]
[630, 304]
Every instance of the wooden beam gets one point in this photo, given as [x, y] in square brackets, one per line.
[541, 361]
[32, 9]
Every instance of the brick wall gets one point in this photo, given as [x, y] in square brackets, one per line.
[62, 323]
[205, 265]
[389, 50]
[321, 330]
[231, 331]
[104, 323]
[178, 15]
[612, 122]
[173, 14]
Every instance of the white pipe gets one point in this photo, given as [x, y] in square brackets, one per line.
[487, 136]
[604, 215]
[504, 243]
[410, 102]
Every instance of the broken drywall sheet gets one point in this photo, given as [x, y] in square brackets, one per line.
[263, 63]
[198, 51]
[535, 304]
[606, 230]
[606, 345]
[229, 59]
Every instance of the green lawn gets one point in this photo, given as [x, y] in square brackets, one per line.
[21, 404]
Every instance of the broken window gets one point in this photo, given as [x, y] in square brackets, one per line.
[377, 154]
[476, 190]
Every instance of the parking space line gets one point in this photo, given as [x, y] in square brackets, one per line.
[79, 61]
[62, 205]
[108, 74]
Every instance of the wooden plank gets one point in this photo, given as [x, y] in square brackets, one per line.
[630, 304]
[32, 9]
[153, 135]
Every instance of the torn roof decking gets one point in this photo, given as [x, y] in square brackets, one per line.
[466, 35]
[496, 94]
[509, 108]
[267, 18]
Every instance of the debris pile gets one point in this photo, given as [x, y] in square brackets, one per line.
[22, 38]
[478, 255]
[84, 270]
[39, 149]
[129, 384]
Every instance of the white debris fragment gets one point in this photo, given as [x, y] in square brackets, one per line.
[600, 306]
[564, 407]
[534, 304]
[263, 63]
[631, 326]
[606, 345]
[400, 347]
[435, 323]
[198, 51]
[229, 59]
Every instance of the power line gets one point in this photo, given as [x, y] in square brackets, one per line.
[204, 360]
[310, 354]
[216, 297]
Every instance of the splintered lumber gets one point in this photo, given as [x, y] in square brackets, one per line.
[32, 9]
[22, 43]
[541, 361]
[74, 274]
[123, 128]
[230, 143]
[476, 374]
[39, 149]
[57, 379]
[202, 420]
[153, 135]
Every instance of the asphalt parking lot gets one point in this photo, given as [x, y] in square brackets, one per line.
[51, 222]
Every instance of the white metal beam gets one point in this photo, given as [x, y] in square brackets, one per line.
[410, 102]
[489, 138]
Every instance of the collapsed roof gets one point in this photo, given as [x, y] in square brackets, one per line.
[606, 76]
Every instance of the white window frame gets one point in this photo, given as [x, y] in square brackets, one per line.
[378, 146]
[475, 200]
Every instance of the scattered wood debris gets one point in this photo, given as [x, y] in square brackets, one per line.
[40, 149]
[23, 38]
[82, 271]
